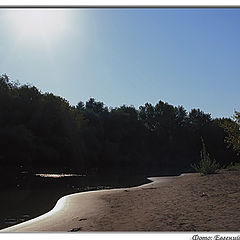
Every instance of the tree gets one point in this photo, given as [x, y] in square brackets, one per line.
[198, 118]
[232, 127]
[80, 106]
[46, 132]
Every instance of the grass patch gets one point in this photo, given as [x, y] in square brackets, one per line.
[233, 167]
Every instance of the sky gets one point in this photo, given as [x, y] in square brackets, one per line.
[187, 57]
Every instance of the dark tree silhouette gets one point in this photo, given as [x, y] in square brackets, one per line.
[43, 132]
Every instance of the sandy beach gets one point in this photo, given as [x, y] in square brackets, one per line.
[187, 203]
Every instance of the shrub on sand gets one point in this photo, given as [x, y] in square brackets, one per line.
[206, 165]
[233, 167]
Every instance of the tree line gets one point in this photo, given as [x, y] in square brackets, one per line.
[41, 132]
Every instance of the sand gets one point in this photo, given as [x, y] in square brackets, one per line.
[187, 203]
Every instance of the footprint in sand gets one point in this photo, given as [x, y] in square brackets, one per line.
[75, 229]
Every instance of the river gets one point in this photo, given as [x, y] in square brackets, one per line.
[39, 193]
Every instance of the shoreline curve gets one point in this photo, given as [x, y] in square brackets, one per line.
[75, 207]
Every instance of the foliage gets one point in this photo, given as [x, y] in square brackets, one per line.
[43, 132]
[206, 165]
[233, 167]
[232, 127]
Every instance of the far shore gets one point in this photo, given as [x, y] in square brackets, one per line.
[190, 202]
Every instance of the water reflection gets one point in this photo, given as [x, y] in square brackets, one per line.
[39, 193]
[46, 175]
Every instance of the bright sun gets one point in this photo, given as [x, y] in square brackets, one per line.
[38, 25]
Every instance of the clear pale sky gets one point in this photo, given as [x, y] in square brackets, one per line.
[188, 57]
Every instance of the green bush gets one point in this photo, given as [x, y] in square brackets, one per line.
[206, 165]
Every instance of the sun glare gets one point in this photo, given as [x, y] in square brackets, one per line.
[38, 25]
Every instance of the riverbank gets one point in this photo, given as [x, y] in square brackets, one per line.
[188, 203]
[37, 195]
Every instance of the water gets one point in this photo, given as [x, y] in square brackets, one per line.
[47, 175]
[37, 194]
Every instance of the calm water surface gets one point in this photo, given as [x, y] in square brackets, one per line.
[38, 194]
